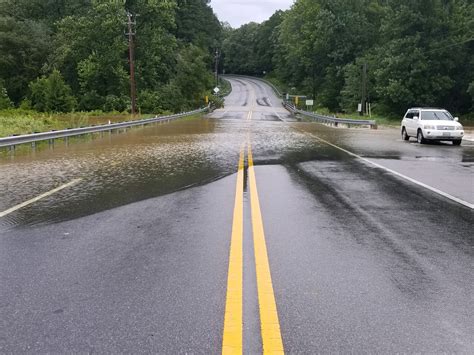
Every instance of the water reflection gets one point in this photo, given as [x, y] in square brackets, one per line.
[142, 163]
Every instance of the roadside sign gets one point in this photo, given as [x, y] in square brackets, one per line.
[216, 90]
[309, 102]
[296, 100]
[207, 99]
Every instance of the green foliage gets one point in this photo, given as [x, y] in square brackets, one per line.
[149, 102]
[225, 87]
[417, 52]
[25, 121]
[250, 49]
[24, 46]
[216, 101]
[52, 94]
[85, 40]
[470, 90]
[197, 24]
[192, 76]
[116, 103]
[5, 101]
[239, 49]
[170, 98]
[22, 122]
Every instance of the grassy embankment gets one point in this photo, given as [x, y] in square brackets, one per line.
[225, 87]
[18, 121]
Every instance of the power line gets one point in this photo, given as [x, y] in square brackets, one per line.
[450, 45]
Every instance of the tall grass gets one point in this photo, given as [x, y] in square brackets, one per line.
[19, 121]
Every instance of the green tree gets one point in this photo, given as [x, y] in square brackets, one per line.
[317, 39]
[426, 56]
[240, 50]
[417, 52]
[267, 42]
[51, 94]
[85, 41]
[5, 101]
[24, 47]
[192, 75]
[196, 23]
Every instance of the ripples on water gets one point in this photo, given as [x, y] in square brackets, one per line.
[142, 163]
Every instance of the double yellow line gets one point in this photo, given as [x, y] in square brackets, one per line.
[233, 321]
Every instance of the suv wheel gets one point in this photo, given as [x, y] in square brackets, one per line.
[457, 142]
[420, 138]
[405, 136]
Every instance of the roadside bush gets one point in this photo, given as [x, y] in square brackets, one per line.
[115, 103]
[51, 94]
[5, 101]
[149, 101]
[90, 101]
[171, 98]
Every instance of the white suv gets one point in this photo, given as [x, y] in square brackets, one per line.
[431, 124]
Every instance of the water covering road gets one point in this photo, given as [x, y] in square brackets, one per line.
[135, 256]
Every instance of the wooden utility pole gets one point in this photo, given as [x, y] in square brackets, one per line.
[217, 67]
[133, 88]
[364, 89]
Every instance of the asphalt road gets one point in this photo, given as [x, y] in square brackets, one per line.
[243, 230]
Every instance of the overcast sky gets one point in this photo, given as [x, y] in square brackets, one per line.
[239, 12]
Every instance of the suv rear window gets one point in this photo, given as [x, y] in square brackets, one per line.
[436, 115]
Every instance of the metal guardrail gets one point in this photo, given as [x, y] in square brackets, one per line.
[330, 120]
[43, 136]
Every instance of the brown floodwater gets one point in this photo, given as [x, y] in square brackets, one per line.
[132, 165]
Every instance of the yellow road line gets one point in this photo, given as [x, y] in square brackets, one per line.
[270, 325]
[232, 339]
[33, 200]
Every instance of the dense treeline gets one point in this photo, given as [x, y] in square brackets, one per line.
[64, 55]
[417, 52]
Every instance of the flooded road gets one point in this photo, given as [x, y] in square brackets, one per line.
[369, 239]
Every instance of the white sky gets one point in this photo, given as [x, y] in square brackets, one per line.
[239, 12]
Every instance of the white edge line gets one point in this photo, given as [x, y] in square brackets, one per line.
[439, 192]
[33, 200]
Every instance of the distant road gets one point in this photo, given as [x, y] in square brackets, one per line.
[241, 231]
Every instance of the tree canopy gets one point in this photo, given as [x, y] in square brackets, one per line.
[83, 44]
[416, 52]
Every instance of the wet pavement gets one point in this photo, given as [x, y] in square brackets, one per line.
[134, 257]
